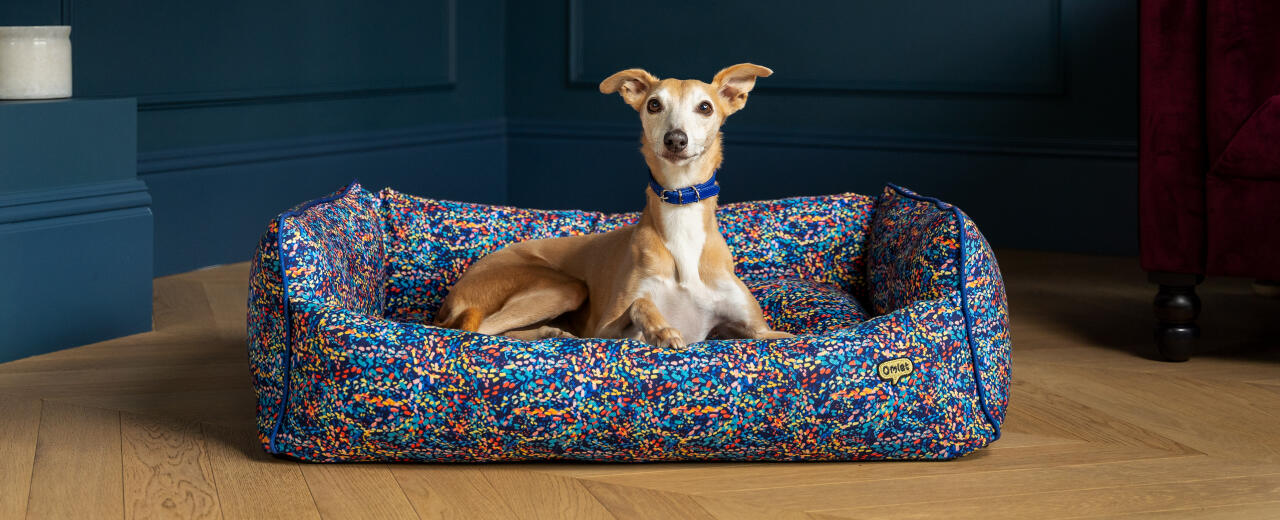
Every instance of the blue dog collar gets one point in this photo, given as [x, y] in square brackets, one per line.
[687, 195]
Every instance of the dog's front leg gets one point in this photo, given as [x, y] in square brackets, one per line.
[748, 330]
[771, 334]
[748, 322]
[645, 316]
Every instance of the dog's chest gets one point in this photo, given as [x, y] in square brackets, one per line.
[690, 304]
[684, 237]
[694, 308]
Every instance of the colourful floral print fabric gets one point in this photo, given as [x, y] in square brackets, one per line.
[805, 307]
[347, 367]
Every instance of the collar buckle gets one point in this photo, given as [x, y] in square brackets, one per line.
[676, 196]
[694, 192]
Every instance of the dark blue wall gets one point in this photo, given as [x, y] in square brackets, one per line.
[279, 102]
[1021, 111]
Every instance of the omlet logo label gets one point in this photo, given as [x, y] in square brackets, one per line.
[895, 369]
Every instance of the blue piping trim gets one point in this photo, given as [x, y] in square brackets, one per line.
[964, 301]
[288, 316]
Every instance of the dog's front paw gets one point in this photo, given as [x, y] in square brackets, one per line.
[666, 337]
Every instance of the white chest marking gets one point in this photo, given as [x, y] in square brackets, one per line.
[684, 238]
[687, 302]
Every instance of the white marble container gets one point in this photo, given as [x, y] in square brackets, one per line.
[35, 62]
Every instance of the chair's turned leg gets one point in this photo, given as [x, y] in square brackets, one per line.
[1177, 308]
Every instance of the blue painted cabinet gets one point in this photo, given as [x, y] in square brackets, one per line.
[75, 226]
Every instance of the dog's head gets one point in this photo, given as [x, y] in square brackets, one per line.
[682, 118]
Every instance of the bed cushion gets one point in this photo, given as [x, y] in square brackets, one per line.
[921, 373]
[806, 307]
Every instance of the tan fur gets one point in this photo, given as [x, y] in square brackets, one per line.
[594, 285]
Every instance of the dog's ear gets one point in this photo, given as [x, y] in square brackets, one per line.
[634, 85]
[733, 83]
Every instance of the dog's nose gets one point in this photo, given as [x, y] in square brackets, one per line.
[675, 141]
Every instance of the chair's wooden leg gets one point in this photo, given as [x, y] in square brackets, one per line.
[1176, 308]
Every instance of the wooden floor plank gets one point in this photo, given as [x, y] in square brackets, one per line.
[355, 491]
[1268, 386]
[227, 300]
[77, 469]
[236, 273]
[180, 302]
[165, 349]
[1011, 438]
[90, 382]
[635, 502]
[232, 405]
[1259, 366]
[167, 473]
[252, 484]
[538, 496]
[451, 492]
[1259, 510]
[19, 426]
[785, 495]
[1106, 501]
[1051, 411]
[1213, 417]
[734, 510]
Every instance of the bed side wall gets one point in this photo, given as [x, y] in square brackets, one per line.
[922, 248]
[333, 252]
[266, 330]
[988, 314]
[912, 253]
[329, 250]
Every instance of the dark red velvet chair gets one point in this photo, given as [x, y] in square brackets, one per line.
[1208, 153]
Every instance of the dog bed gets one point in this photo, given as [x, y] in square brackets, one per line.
[901, 347]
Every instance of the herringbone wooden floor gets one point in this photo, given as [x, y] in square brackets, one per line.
[161, 425]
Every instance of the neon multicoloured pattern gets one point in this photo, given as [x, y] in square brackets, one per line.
[347, 368]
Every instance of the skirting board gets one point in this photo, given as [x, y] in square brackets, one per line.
[77, 266]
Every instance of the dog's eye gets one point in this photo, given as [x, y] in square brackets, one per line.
[704, 108]
[655, 106]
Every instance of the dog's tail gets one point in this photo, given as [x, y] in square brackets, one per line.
[468, 319]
